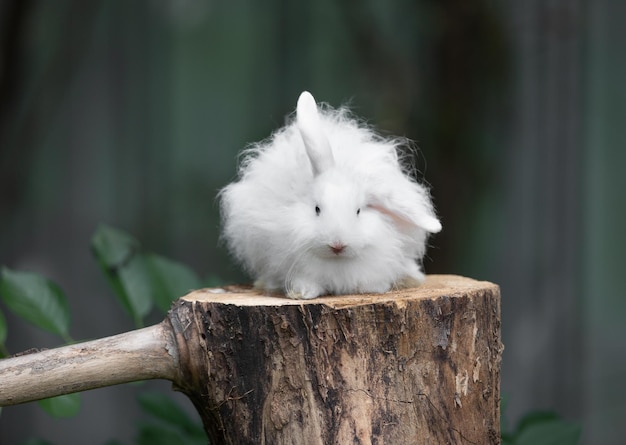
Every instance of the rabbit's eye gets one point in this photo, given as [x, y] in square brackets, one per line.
[317, 210]
[358, 211]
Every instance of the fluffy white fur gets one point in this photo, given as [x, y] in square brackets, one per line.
[324, 206]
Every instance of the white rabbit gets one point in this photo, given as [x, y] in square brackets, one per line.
[324, 206]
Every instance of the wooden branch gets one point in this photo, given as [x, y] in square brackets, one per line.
[148, 353]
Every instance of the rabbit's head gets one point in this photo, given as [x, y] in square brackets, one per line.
[352, 209]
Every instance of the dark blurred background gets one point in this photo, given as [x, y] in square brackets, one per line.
[132, 113]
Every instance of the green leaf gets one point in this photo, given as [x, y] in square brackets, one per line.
[549, 432]
[170, 280]
[37, 300]
[167, 410]
[66, 405]
[507, 440]
[113, 246]
[136, 282]
[535, 417]
[3, 329]
[157, 435]
[3, 336]
[125, 267]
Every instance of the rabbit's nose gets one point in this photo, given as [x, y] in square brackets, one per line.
[337, 247]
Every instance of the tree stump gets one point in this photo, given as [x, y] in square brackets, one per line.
[413, 366]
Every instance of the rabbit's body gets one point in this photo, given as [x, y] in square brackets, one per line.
[324, 206]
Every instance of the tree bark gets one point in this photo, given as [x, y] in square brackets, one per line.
[415, 366]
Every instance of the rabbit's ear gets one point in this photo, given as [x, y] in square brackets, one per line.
[315, 142]
[412, 210]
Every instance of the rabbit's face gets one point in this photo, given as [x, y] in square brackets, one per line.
[343, 225]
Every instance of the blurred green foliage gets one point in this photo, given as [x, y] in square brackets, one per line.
[37, 300]
[539, 428]
[140, 281]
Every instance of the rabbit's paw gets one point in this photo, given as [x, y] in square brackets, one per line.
[408, 282]
[302, 290]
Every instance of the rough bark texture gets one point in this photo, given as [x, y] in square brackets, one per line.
[416, 366]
